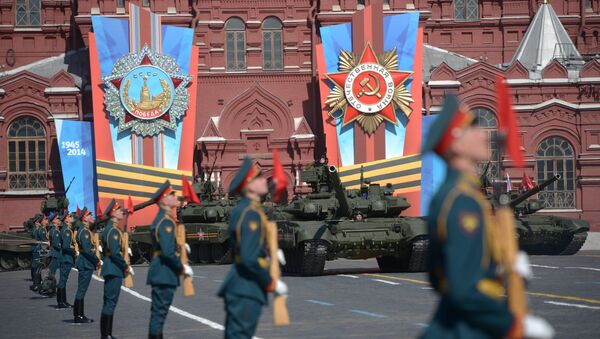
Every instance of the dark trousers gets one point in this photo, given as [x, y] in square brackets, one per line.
[162, 297]
[54, 265]
[83, 282]
[65, 270]
[112, 289]
[242, 317]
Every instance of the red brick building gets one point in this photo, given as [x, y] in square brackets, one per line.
[258, 85]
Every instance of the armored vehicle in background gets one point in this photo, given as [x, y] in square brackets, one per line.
[546, 234]
[333, 222]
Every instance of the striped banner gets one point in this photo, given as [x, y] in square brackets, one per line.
[118, 180]
[404, 173]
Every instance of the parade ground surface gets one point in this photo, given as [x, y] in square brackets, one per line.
[353, 300]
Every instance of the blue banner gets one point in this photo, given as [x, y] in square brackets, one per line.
[433, 169]
[77, 162]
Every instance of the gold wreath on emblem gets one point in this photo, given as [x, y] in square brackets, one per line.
[148, 102]
[336, 100]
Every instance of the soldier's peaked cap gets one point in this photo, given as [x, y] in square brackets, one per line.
[163, 190]
[111, 207]
[453, 116]
[63, 215]
[245, 174]
[83, 213]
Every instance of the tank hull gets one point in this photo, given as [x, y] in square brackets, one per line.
[15, 250]
[551, 235]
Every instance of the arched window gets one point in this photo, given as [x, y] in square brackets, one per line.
[486, 120]
[555, 156]
[236, 44]
[26, 155]
[272, 46]
[466, 10]
[28, 13]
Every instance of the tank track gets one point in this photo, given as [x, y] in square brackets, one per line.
[575, 244]
[418, 256]
[308, 260]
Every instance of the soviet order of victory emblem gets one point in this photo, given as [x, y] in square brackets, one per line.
[369, 89]
[146, 92]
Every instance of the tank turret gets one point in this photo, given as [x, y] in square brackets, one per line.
[521, 206]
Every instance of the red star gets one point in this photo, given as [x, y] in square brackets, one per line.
[146, 62]
[398, 77]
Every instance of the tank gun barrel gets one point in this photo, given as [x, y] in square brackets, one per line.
[340, 192]
[534, 190]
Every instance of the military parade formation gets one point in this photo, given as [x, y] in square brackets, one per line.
[476, 270]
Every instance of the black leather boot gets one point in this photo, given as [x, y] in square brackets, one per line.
[61, 297]
[155, 336]
[80, 318]
[106, 322]
[76, 311]
[64, 298]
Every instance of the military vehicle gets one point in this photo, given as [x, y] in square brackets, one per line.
[206, 228]
[541, 233]
[333, 222]
[546, 234]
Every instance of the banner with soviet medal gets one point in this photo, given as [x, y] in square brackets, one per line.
[144, 78]
[371, 93]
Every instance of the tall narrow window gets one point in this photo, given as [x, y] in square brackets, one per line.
[236, 44]
[487, 121]
[555, 156]
[272, 46]
[466, 10]
[28, 13]
[26, 155]
[146, 3]
[121, 3]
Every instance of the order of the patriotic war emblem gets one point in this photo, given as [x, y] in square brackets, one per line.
[369, 89]
[146, 92]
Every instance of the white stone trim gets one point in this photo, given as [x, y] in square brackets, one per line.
[31, 192]
[68, 116]
[171, 10]
[2, 91]
[443, 83]
[210, 22]
[552, 81]
[302, 136]
[61, 90]
[293, 48]
[39, 62]
[216, 69]
[560, 210]
[556, 101]
[216, 50]
[294, 21]
[201, 139]
[291, 67]
[28, 29]
[252, 131]
[254, 68]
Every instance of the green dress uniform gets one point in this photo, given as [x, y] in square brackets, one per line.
[463, 256]
[36, 248]
[165, 267]
[86, 263]
[55, 247]
[36, 261]
[68, 254]
[113, 270]
[245, 287]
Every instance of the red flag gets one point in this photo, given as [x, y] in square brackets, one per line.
[129, 205]
[188, 191]
[279, 178]
[526, 182]
[508, 122]
[98, 211]
[78, 212]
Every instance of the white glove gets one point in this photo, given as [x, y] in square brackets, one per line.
[281, 288]
[187, 270]
[129, 251]
[131, 271]
[187, 248]
[537, 328]
[101, 262]
[100, 248]
[281, 257]
[521, 266]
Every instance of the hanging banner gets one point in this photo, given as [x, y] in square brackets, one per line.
[77, 161]
[433, 169]
[144, 77]
[371, 93]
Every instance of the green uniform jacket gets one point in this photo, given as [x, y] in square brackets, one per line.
[87, 259]
[249, 275]
[42, 235]
[114, 264]
[461, 266]
[166, 263]
[68, 245]
[55, 241]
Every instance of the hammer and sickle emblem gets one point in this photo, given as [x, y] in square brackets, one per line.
[372, 91]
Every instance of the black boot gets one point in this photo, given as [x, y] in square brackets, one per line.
[37, 282]
[106, 326]
[64, 298]
[78, 313]
[155, 336]
[61, 297]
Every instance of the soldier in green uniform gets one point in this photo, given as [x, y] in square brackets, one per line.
[166, 266]
[245, 287]
[87, 262]
[114, 267]
[68, 253]
[55, 243]
[35, 252]
[463, 254]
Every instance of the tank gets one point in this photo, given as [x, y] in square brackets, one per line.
[206, 226]
[332, 222]
[546, 234]
[543, 234]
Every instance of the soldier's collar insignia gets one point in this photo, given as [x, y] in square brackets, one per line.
[86, 236]
[469, 222]
[253, 226]
[169, 229]
[116, 236]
